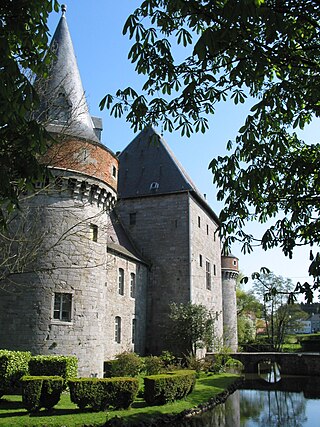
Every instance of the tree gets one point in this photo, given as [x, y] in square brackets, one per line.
[272, 291]
[265, 50]
[23, 50]
[248, 310]
[192, 327]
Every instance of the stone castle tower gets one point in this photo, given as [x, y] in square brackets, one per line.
[101, 273]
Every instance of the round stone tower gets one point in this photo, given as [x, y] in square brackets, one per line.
[230, 272]
[57, 304]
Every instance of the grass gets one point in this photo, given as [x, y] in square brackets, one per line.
[66, 414]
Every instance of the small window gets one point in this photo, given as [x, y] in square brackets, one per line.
[234, 262]
[154, 186]
[132, 218]
[94, 232]
[207, 230]
[132, 285]
[114, 171]
[133, 331]
[200, 260]
[214, 270]
[199, 222]
[208, 275]
[121, 281]
[62, 307]
[117, 329]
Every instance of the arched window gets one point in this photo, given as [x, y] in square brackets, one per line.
[117, 329]
[133, 332]
[132, 285]
[121, 281]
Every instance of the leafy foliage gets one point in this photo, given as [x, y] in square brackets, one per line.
[266, 50]
[13, 365]
[192, 327]
[23, 50]
[63, 366]
[273, 291]
[101, 393]
[164, 388]
[41, 391]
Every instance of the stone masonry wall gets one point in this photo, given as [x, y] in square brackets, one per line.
[160, 232]
[69, 261]
[205, 248]
[126, 306]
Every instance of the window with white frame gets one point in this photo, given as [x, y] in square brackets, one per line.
[121, 281]
[62, 306]
[117, 329]
[132, 285]
[208, 275]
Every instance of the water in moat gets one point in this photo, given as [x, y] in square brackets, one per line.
[266, 400]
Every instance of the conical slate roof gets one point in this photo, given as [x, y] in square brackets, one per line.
[62, 95]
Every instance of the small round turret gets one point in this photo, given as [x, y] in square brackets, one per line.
[230, 272]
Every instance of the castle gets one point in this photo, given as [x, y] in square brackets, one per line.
[110, 240]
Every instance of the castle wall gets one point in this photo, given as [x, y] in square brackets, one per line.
[131, 306]
[161, 233]
[205, 262]
[59, 308]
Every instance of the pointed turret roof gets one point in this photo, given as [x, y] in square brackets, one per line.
[148, 167]
[64, 97]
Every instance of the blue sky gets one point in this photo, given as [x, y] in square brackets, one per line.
[101, 50]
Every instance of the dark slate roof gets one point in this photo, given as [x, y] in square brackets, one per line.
[118, 240]
[64, 78]
[148, 167]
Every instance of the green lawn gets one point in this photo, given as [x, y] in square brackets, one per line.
[67, 414]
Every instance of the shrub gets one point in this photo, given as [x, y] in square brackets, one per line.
[126, 364]
[63, 366]
[41, 392]
[153, 365]
[164, 388]
[13, 365]
[102, 393]
[310, 343]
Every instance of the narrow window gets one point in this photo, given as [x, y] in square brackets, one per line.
[121, 281]
[208, 275]
[132, 218]
[133, 332]
[62, 307]
[94, 232]
[132, 285]
[199, 222]
[200, 260]
[214, 270]
[117, 329]
[207, 230]
[114, 171]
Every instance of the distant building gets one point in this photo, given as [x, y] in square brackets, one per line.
[123, 237]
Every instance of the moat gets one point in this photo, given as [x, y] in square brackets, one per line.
[291, 401]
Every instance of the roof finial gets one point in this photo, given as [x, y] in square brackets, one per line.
[63, 9]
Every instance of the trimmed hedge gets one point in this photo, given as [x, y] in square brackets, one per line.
[126, 364]
[102, 393]
[13, 365]
[62, 366]
[164, 388]
[310, 343]
[41, 392]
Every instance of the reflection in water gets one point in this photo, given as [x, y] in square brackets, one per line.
[268, 405]
[269, 371]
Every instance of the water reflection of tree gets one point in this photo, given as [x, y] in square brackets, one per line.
[251, 404]
[273, 408]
